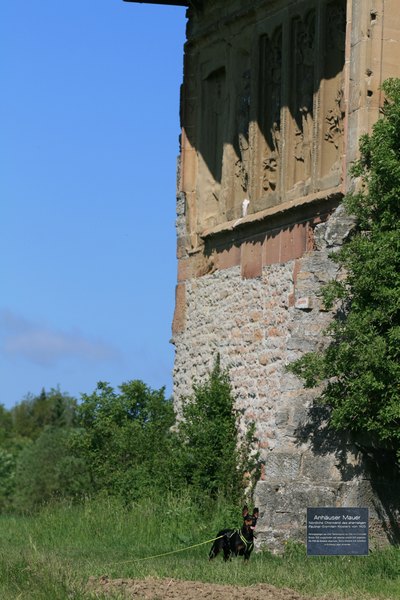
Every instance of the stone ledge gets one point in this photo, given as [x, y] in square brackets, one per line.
[333, 194]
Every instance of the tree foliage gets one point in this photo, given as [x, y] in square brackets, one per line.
[360, 367]
[125, 437]
[47, 470]
[32, 461]
[213, 456]
[125, 443]
[34, 413]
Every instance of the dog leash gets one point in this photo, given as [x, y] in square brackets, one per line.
[166, 553]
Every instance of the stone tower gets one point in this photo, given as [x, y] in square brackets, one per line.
[276, 94]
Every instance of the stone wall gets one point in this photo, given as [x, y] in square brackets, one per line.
[259, 325]
[275, 97]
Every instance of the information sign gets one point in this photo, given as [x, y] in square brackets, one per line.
[337, 531]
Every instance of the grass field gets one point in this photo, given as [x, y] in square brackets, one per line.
[50, 556]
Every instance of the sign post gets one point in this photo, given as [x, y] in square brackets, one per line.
[337, 531]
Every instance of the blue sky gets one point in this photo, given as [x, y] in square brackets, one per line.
[90, 124]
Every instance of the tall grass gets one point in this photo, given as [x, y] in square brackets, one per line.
[51, 555]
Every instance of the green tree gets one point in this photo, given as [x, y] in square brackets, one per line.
[47, 470]
[7, 473]
[20, 428]
[360, 366]
[212, 457]
[126, 437]
[10, 447]
[34, 413]
[6, 425]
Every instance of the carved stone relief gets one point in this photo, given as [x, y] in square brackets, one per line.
[236, 174]
[332, 90]
[242, 145]
[270, 110]
[334, 120]
[211, 146]
[302, 97]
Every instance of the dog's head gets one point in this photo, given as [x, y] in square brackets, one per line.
[250, 519]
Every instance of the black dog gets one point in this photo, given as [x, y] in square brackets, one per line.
[236, 541]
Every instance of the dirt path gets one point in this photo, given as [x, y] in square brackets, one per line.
[172, 589]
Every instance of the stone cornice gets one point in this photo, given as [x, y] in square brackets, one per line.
[277, 214]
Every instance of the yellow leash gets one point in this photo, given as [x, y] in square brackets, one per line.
[166, 553]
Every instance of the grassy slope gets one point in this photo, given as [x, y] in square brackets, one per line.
[52, 555]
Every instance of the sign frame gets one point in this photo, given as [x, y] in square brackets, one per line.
[333, 531]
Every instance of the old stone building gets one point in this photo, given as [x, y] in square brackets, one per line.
[276, 94]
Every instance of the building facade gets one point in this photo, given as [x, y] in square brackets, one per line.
[275, 97]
